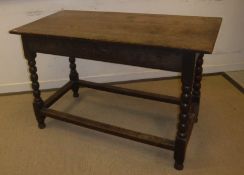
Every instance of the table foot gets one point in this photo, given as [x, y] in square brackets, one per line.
[196, 120]
[178, 166]
[41, 125]
[75, 94]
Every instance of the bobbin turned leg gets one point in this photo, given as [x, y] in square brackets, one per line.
[188, 64]
[74, 77]
[197, 85]
[38, 102]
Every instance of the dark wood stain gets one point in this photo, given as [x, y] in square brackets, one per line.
[135, 55]
[110, 129]
[165, 42]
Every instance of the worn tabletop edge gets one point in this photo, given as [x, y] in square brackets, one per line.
[220, 23]
[116, 42]
[205, 51]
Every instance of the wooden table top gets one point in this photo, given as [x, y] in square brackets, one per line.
[167, 31]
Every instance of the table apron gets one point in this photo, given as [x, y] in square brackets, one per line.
[127, 54]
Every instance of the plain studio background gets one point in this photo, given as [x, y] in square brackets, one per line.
[228, 54]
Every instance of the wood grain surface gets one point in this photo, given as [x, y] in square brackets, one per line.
[168, 31]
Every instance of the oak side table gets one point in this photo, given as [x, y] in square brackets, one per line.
[166, 42]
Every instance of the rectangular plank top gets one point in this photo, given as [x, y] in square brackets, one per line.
[168, 31]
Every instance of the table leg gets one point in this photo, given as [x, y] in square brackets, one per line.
[74, 77]
[197, 86]
[38, 102]
[187, 78]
